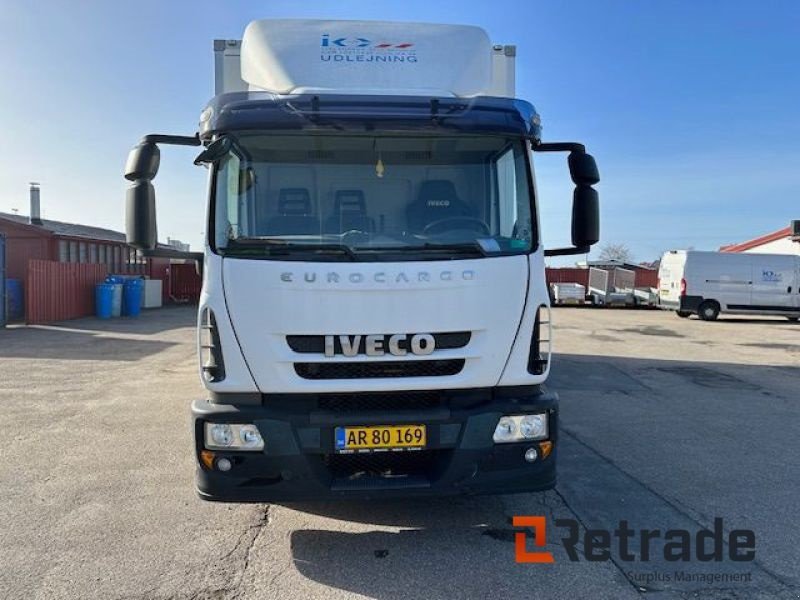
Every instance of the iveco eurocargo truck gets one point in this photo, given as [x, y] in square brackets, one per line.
[374, 319]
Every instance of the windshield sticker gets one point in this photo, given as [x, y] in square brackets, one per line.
[489, 245]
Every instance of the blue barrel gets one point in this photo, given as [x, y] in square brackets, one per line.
[132, 297]
[15, 300]
[103, 298]
[116, 299]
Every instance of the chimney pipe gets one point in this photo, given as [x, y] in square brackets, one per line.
[36, 212]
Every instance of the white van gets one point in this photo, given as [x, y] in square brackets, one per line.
[710, 283]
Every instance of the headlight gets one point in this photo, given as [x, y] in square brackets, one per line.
[231, 436]
[533, 427]
[506, 430]
[521, 428]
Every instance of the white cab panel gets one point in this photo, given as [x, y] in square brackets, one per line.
[268, 300]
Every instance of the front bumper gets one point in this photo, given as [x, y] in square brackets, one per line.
[298, 461]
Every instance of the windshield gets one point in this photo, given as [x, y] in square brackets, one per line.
[359, 196]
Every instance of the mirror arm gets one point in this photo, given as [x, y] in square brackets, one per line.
[559, 147]
[567, 251]
[172, 140]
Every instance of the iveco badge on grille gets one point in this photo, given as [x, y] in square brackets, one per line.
[398, 344]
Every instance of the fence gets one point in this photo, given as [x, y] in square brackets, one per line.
[568, 275]
[57, 291]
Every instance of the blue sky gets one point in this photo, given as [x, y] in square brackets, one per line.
[691, 108]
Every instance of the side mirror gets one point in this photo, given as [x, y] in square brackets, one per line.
[140, 215]
[585, 216]
[140, 202]
[143, 162]
[585, 199]
[583, 168]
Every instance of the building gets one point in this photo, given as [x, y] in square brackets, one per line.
[777, 242]
[178, 245]
[31, 238]
[28, 238]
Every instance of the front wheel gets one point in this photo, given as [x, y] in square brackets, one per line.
[794, 319]
[708, 310]
[683, 314]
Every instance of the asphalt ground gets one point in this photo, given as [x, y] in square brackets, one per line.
[665, 423]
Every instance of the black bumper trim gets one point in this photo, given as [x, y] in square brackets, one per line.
[293, 466]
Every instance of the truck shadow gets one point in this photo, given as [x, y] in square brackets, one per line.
[621, 420]
[446, 548]
[411, 513]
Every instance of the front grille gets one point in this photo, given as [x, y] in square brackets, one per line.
[379, 369]
[384, 401]
[381, 464]
[315, 344]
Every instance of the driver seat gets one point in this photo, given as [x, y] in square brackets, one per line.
[437, 200]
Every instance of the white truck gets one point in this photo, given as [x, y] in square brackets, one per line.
[708, 284]
[374, 319]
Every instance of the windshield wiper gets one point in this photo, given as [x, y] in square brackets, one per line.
[473, 246]
[459, 248]
[281, 246]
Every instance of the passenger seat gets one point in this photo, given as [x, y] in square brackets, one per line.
[349, 213]
[295, 215]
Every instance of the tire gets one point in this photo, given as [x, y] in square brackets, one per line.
[683, 314]
[794, 319]
[708, 310]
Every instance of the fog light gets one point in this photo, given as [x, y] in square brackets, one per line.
[531, 455]
[224, 464]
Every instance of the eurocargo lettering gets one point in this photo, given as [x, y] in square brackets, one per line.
[374, 319]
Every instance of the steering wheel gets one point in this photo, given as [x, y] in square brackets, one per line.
[449, 224]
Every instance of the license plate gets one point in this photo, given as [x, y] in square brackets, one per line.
[384, 437]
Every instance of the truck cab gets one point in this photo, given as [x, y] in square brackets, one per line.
[374, 319]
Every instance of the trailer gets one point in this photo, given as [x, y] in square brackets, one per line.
[568, 293]
[611, 287]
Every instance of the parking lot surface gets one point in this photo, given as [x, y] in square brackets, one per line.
[665, 423]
